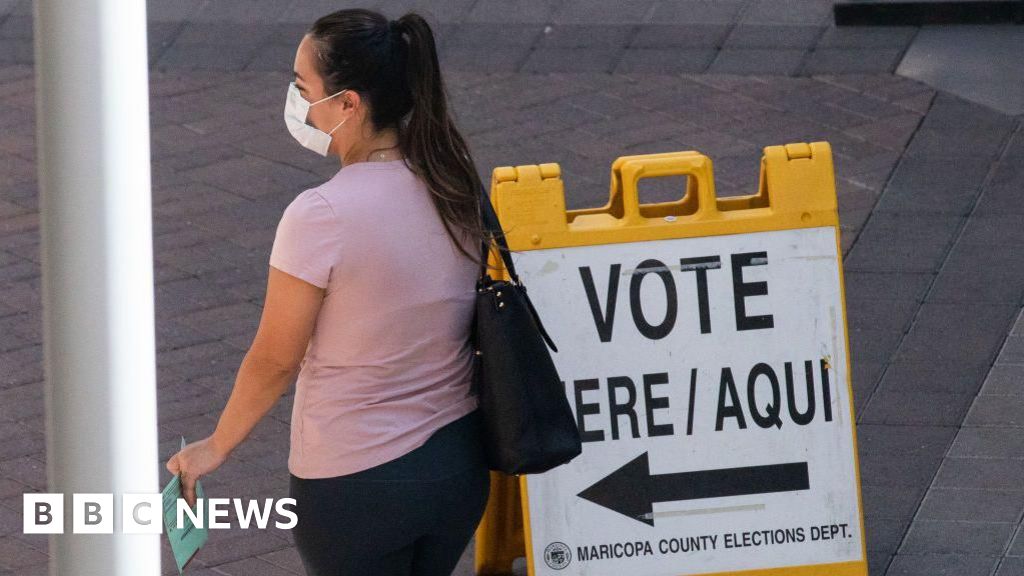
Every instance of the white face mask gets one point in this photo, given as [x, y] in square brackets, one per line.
[296, 111]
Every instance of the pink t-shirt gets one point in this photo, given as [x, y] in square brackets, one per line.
[389, 361]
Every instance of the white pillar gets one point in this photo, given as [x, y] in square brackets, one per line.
[92, 119]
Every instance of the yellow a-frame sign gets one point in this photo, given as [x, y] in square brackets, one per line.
[703, 347]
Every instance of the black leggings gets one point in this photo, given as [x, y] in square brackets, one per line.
[412, 516]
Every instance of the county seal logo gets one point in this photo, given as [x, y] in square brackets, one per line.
[557, 555]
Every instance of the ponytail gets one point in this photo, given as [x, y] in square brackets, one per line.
[431, 140]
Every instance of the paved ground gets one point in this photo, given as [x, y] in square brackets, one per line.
[931, 192]
[724, 36]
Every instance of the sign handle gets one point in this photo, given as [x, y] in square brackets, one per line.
[695, 166]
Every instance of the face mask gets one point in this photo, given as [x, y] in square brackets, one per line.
[296, 110]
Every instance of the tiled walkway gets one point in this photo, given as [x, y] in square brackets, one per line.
[970, 519]
[790, 37]
[931, 193]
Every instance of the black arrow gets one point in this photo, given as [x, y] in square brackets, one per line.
[632, 490]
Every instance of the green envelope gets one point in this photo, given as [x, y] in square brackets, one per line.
[187, 540]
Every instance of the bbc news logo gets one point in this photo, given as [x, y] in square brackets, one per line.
[143, 513]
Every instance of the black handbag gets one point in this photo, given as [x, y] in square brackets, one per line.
[528, 425]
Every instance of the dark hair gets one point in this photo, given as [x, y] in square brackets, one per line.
[393, 64]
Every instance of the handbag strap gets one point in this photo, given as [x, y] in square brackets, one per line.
[493, 225]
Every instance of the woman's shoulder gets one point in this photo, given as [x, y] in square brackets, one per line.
[309, 215]
[309, 206]
[305, 244]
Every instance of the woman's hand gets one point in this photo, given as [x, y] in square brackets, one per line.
[195, 460]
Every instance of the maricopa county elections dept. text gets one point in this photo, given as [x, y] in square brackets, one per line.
[688, 544]
[761, 380]
[141, 513]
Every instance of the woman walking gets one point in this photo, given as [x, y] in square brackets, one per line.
[370, 299]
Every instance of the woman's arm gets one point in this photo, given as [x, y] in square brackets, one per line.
[289, 316]
[258, 386]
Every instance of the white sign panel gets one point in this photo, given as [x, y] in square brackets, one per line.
[709, 380]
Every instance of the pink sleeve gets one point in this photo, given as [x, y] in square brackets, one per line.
[306, 242]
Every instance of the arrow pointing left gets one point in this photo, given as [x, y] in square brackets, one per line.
[632, 490]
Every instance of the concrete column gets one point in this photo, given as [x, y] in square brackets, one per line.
[92, 118]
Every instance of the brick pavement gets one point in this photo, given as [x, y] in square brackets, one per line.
[930, 192]
[787, 37]
[933, 287]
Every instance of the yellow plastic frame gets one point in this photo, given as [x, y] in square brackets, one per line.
[796, 189]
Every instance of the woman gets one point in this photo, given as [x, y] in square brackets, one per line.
[370, 298]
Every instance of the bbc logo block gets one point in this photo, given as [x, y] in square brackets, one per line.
[92, 513]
